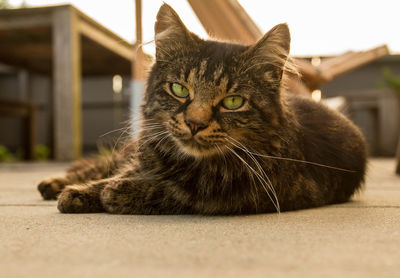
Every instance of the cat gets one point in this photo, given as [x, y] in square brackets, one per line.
[219, 137]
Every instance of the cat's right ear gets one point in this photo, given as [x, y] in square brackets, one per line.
[272, 51]
[171, 35]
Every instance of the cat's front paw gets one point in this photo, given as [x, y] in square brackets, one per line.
[78, 199]
[50, 188]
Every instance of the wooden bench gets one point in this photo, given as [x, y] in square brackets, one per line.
[26, 111]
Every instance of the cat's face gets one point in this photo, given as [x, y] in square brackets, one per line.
[209, 95]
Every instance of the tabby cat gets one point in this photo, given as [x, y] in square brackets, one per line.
[219, 137]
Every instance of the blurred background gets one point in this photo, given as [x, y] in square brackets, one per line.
[72, 72]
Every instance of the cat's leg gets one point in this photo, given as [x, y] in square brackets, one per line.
[82, 198]
[124, 193]
[50, 188]
[81, 171]
[140, 196]
[126, 196]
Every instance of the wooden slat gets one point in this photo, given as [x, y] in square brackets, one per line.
[327, 63]
[226, 19]
[330, 68]
[138, 69]
[138, 65]
[349, 61]
[84, 17]
[311, 76]
[67, 85]
[103, 39]
[22, 20]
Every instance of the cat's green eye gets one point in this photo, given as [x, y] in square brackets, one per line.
[179, 90]
[233, 102]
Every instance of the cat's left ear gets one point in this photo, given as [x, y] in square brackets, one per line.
[272, 49]
[171, 35]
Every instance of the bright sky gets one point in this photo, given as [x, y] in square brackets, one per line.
[318, 27]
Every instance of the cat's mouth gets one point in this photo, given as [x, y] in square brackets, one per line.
[203, 143]
[198, 146]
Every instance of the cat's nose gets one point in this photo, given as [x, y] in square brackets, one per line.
[195, 126]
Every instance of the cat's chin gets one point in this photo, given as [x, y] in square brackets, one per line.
[194, 149]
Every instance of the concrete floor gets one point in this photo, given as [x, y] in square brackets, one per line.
[357, 239]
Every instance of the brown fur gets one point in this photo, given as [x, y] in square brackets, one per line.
[276, 152]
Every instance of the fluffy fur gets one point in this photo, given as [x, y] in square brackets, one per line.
[277, 152]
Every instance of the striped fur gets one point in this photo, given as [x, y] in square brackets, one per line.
[276, 152]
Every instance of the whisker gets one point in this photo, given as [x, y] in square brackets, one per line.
[148, 128]
[302, 161]
[151, 137]
[150, 132]
[112, 131]
[128, 127]
[259, 177]
[269, 183]
[222, 154]
[306, 162]
[128, 130]
[247, 151]
[162, 139]
[118, 139]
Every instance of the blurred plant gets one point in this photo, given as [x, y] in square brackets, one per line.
[5, 4]
[5, 154]
[24, 5]
[19, 154]
[390, 81]
[42, 152]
